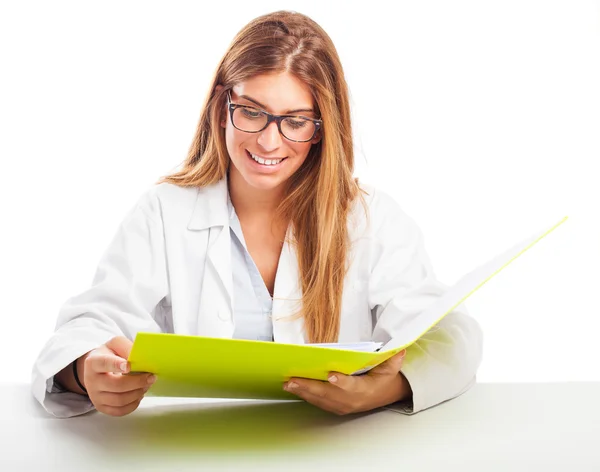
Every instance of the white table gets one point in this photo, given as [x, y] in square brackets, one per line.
[492, 427]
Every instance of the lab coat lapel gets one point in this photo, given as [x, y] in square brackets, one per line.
[215, 317]
[287, 297]
[216, 308]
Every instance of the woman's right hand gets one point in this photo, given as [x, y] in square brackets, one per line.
[110, 391]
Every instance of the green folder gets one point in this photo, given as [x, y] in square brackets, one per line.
[196, 366]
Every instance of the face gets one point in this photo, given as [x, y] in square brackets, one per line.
[277, 94]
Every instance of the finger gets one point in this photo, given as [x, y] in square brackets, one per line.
[392, 365]
[122, 383]
[315, 387]
[324, 403]
[121, 346]
[119, 411]
[349, 383]
[120, 399]
[106, 362]
[325, 396]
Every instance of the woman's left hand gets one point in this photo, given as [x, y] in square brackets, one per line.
[344, 394]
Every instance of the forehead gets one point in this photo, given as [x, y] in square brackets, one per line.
[277, 92]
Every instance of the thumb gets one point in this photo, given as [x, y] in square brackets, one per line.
[121, 346]
[392, 365]
[103, 359]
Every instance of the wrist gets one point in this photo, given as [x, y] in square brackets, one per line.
[79, 373]
[401, 391]
[405, 390]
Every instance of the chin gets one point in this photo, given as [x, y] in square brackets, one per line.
[264, 184]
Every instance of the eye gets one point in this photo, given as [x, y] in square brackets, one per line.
[296, 123]
[251, 113]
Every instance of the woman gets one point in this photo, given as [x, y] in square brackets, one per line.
[264, 234]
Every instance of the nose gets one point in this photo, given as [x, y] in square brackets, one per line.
[269, 138]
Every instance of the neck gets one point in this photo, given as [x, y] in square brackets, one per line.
[248, 200]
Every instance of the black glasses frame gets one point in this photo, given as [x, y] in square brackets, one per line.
[270, 118]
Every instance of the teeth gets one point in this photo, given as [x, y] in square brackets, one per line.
[267, 162]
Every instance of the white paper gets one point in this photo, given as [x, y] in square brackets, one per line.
[366, 346]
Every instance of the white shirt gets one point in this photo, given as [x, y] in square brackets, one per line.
[252, 303]
[169, 268]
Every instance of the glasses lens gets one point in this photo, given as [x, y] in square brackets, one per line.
[298, 129]
[249, 119]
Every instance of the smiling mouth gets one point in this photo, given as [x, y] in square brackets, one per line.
[265, 161]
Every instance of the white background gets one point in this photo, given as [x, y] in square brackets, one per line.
[481, 118]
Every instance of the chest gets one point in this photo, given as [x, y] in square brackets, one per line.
[201, 295]
[264, 246]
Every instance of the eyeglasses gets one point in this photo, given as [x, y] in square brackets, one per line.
[298, 129]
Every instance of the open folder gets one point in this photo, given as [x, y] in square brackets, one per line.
[196, 366]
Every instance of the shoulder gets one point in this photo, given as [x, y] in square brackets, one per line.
[377, 198]
[163, 199]
[170, 194]
[384, 211]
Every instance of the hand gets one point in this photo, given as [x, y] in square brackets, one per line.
[110, 391]
[344, 394]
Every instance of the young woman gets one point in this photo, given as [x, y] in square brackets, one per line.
[264, 234]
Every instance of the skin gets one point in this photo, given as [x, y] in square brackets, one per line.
[345, 394]
[253, 192]
[103, 373]
[255, 195]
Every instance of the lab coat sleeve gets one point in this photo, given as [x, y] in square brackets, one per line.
[130, 281]
[442, 363]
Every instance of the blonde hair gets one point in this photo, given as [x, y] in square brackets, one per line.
[320, 194]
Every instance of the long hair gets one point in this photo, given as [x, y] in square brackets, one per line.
[319, 195]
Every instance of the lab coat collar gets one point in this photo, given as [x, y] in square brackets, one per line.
[211, 207]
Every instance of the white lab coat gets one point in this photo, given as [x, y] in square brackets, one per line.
[168, 269]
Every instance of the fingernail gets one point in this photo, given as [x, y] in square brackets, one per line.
[124, 367]
[333, 379]
[151, 379]
[291, 385]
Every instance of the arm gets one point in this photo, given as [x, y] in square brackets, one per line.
[66, 377]
[130, 281]
[442, 364]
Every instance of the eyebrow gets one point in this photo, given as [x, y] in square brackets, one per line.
[298, 110]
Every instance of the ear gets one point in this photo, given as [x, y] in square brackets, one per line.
[223, 121]
[317, 137]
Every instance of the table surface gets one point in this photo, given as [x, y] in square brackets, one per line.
[492, 427]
